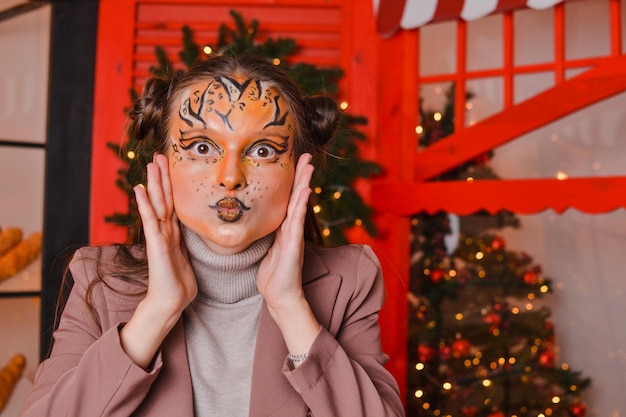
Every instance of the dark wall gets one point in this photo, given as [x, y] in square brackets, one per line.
[68, 149]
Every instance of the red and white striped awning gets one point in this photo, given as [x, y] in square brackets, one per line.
[392, 15]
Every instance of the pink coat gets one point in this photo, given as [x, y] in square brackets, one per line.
[88, 373]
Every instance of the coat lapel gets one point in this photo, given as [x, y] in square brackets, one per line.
[271, 393]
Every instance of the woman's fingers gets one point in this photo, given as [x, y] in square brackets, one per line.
[301, 184]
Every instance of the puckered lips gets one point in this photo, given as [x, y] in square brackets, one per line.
[229, 209]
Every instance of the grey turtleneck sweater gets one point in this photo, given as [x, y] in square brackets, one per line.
[221, 325]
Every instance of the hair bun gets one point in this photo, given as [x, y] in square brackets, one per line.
[324, 117]
[147, 111]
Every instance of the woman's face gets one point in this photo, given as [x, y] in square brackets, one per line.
[231, 161]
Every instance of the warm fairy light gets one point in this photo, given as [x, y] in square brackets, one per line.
[419, 129]
[531, 296]
[419, 393]
[495, 332]
[596, 165]
[541, 415]
[479, 255]
[573, 388]
[343, 105]
[467, 363]
[529, 306]
[493, 365]
[475, 361]
[486, 383]
[337, 195]
[452, 273]
[469, 106]
[556, 399]
[564, 366]
[447, 386]
[276, 61]
[419, 366]
[515, 310]
[458, 316]
[431, 324]
[561, 176]
[317, 209]
[358, 222]
[533, 349]
[207, 50]
[544, 289]
[479, 355]
[482, 274]
[426, 406]
[437, 116]
[318, 190]
[554, 137]
[415, 222]
[501, 361]
[130, 154]
[326, 232]
[469, 179]
[548, 411]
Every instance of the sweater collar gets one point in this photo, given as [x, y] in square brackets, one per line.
[225, 278]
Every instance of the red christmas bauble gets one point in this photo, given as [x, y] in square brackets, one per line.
[425, 353]
[494, 320]
[578, 409]
[460, 348]
[497, 243]
[546, 358]
[530, 278]
[469, 411]
[436, 275]
[497, 414]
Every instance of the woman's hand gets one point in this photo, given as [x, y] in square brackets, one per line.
[279, 279]
[171, 281]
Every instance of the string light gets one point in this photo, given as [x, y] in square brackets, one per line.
[276, 61]
[130, 154]
[419, 129]
[437, 116]
[343, 105]
[317, 209]
[318, 190]
[207, 50]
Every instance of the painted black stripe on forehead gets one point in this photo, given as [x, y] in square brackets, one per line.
[228, 82]
[277, 121]
[195, 116]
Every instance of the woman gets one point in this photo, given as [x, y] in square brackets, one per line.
[223, 310]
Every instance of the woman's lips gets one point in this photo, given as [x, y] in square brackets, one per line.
[229, 209]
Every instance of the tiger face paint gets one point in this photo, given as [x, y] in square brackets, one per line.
[231, 161]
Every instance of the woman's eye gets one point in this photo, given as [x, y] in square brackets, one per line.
[263, 152]
[202, 148]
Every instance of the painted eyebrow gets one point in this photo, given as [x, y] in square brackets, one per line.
[282, 146]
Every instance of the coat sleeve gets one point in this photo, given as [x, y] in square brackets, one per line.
[344, 375]
[87, 373]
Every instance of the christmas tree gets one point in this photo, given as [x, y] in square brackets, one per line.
[481, 342]
[336, 203]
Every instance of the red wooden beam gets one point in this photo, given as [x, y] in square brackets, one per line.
[588, 195]
[587, 88]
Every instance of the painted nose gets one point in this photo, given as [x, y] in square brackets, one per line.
[231, 173]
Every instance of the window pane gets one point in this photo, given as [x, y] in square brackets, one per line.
[438, 48]
[533, 36]
[587, 29]
[484, 43]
